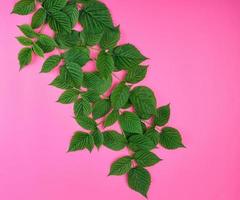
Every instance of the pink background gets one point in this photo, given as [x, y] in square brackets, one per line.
[194, 48]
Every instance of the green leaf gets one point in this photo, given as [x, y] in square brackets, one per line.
[145, 158]
[91, 96]
[51, 63]
[37, 50]
[75, 74]
[98, 138]
[101, 108]
[114, 140]
[63, 81]
[91, 39]
[140, 142]
[121, 166]
[144, 101]
[95, 17]
[59, 21]
[81, 140]
[25, 57]
[120, 95]
[170, 138]
[139, 180]
[127, 57]
[82, 107]
[93, 81]
[110, 38]
[162, 116]
[79, 55]
[130, 122]
[46, 43]
[68, 96]
[111, 118]
[24, 41]
[28, 31]
[38, 18]
[24, 7]
[54, 4]
[105, 64]
[153, 135]
[72, 12]
[136, 74]
[86, 122]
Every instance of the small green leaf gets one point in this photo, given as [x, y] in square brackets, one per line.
[95, 17]
[81, 140]
[127, 57]
[86, 122]
[54, 4]
[114, 140]
[37, 50]
[140, 142]
[98, 138]
[162, 116]
[144, 102]
[38, 18]
[24, 41]
[110, 38]
[105, 64]
[101, 108]
[51, 63]
[82, 107]
[120, 95]
[139, 180]
[46, 43]
[111, 118]
[79, 55]
[28, 31]
[130, 122]
[68, 96]
[145, 158]
[170, 138]
[121, 166]
[25, 57]
[24, 7]
[136, 74]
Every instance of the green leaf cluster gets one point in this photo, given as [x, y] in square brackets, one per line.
[98, 103]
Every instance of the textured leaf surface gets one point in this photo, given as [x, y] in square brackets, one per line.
[105, 64]
[46, 43]
[72, 12]
[38, 18]
[127, 57]
[75, 73]
[24, 41]
[101, 108]
[145, 158]
[28, 31]
[170, 138]
[51, 63]
[54, 4]
[162, 116]
[81, 140]
[120, 95]
[110, 38]
[121, 166]
[144, 101]
[136, 74]
[98, 138]
[86, 123]
[114, 140]
[153, 135]
[82, 107]
[139, 180]
[111, 118]
[68, 96]
[140, 142]
[130, 122]
[24, 7]
[37, 50]
[24, 57]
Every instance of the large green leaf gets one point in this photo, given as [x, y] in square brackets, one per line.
[90, 39]
[170, 138]
[68, 96]
[95, 17]
[38, 18]
[111, 118]
[101, 108]
[51, 63]
[127, 57]
[153, 135]
[24, 7]
[79, 55]
[86, 122]
[46, 43]
[91, 96]
[144, 101]
[54, 4]
[130, 122]
[63, 80]
[145, 158]
[162, 116]
[81, 140]
[72, 12]
[110, 38]
[114, 140]
[98, 138]
[139, 179]
[105, 64]
[136, 74]
[24, 57]
[75, 73]
[120, 95]
[140, 142]
[82, 107]
[121, 166]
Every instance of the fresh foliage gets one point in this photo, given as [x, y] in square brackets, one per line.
[97, 102]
